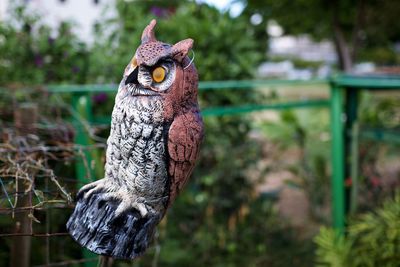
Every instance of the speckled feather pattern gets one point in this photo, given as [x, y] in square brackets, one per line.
[150, 53]
[136, 157]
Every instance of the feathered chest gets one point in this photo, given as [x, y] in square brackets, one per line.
[136, 152]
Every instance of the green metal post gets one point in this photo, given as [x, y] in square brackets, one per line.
[351, 109]
[82, 105]
[354, 167]
[338, 212]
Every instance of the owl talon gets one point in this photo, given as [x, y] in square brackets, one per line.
[92, 191]
[92, 188]
[84, 189]
[126, 204]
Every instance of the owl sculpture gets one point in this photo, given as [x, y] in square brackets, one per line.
[156, 131]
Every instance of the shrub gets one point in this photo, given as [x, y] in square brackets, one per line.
[373, 239]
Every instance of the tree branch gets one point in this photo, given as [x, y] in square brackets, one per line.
[342, 47]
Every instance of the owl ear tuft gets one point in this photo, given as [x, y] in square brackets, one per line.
[148, 32]
[181, 49]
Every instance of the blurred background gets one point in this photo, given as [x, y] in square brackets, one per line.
[261, 193]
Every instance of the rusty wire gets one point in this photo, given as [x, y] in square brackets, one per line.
[17, 165]
[30, 161]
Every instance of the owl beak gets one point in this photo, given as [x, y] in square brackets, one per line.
[132, 77]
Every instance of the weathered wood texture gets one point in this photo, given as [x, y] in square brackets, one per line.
[25, 118]
[21, 245]
[93, 225]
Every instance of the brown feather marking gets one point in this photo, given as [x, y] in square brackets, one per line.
[185, 136]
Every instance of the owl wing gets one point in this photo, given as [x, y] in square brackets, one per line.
[184, 138]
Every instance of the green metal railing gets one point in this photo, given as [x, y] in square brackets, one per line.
[342, 103]
[345, 90]
[82, 105]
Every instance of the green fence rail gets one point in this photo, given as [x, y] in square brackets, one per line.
[203, 86]
[342, 103]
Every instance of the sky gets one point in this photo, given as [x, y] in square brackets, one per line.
[221, 4]
[235, 7]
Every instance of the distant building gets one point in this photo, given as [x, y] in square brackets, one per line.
[84, 13]
[289, 48]
[302, 47]
[3, 9]
[285, 69]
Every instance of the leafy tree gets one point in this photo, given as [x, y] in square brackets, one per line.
[352, 25]
[224, 47]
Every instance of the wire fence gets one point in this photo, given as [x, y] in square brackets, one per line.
[37, 151]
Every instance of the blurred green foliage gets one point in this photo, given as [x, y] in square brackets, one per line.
[218, 220]
[366, 28]
[373, 239]
[377, 112]
[307, 131]
[31, 55]
[224, 47]
[380, 110]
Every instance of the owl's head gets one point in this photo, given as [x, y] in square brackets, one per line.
[163, 70]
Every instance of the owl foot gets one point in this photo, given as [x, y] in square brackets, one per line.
[102, 185]
[127, 202]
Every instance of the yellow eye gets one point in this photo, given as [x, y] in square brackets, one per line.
[134, 62]
[158, 74]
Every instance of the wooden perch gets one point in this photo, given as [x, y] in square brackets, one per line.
[93, 225]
